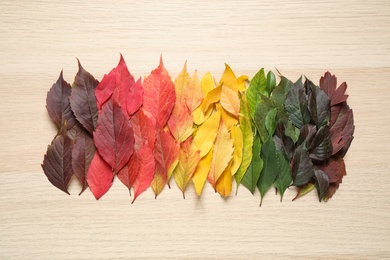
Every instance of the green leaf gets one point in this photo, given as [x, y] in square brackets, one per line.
[270, 121]
[270, 168]
[281, 90]
[252, 174]
[271, 82]
[301, 166]
[322, 183]
[283, 179]
[296, 105]
[256, 86]
[291, 131]
[303, 190]
[262, 109]
[319, 104]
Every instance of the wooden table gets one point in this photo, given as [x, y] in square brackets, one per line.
[39, 38]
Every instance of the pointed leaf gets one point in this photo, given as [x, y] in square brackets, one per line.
[341, 124]
[166, 154]
[257, 85]
[281, 90]
[296, 105]
[114, 137]
[320, 146]
[193, 95]
[181, 84]
[319, 104]
[301, 166]
[57, 162]
[270, 121]
[340, 174]
[146, 171]
[222, 154]
[205, 136]
[144, 128]
[188, 161]
[252, 174]
[202, 171]
[263, 107]
[322, 183]
[82, 99]
[230, 101]
[211, 98]
[303, 190]
[99, 176]
[283, 179]
[58, 106]
[247, 136]
[224, 183]
[238, 144]
[180, 122]
[229, 79]
[199, 117]
[228, 119]
[207, 83]
[83, 151]
[159, 94]
[328, 83]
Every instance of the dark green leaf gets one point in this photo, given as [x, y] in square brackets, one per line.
[322, 183]
[283, 143]
[296, 105]
[301, 166]
[271, 83]
[320, 146]
[319, 104]
[263, 107]
[283, 179]
[281, 90]
[270, 121]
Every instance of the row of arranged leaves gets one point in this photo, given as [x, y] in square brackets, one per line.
[258, 132]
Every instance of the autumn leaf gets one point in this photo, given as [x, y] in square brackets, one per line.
[342, 128]
[180, 122]
[301, 166]
[328, 83]
[230, 101]
[322, 183]
[202, 171]
[224, 182]
[222, 154]
[166, 154]
[341, 172]
[228, 119]
[58, 106]
[83, 151]
[211, 98]
[318, 103]
[206, 134]
[83, 101]
[144, 129]
[181, 84]
[238, 144]
[188, 161]
[320, 146]
[99, 176]
[57, 162]
[207, 85]
[120, 84]
[114, 138]
[159, 94]
[229, 80]
[193, 95]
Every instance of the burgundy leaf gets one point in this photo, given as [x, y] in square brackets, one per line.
[114, 136]
[319, 104]
[340, 174]
[328, 83]
[301, 166]
[320, 146]
[57, 162]
[83, 100]
[322, 183]
[342, 123]
[57, 104]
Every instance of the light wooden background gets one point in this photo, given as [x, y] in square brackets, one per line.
[39, 38]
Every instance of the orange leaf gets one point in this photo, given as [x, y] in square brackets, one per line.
[230, 101]
[193, 95]
[180, 122]
[224, 183]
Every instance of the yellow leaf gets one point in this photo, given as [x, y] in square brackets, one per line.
[201, 172]
[224, 183]
[188, 161]
[230, 101]
[206, 133]
[229, 79]
[228, 119]
[211, 98]
[236, 135]
[181, 83]
[222, 154]
[242, 80]
[193, 93]
[207, 83]
[199, 117]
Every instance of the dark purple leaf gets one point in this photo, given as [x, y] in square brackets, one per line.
[319, 104]
[322, 183]
[301, 166]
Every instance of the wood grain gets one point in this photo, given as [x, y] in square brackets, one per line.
[39, 38]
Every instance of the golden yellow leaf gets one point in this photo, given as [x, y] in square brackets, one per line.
[188, 161]
[206, 133]
[229, 79]
[181, 83]
[201, 172]
[228, 119]
[211, 98]
[207, 83]
[222, 154]
[199, 117]
[238, 143]
[224, 183]
[242, 82]
[230, 101]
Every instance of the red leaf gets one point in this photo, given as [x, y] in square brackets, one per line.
[340, 174]
[100, 176]
[328, 83]
[120, 82]
[57, 162]
[159, 94]
[83, 151]
[166, 154]
[129, 173]
[58, 106]
[114, 136]
[342, 128]
[83, 101]
[146, 171]
[144, 129]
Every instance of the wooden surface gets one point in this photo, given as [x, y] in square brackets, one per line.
[39, 38]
